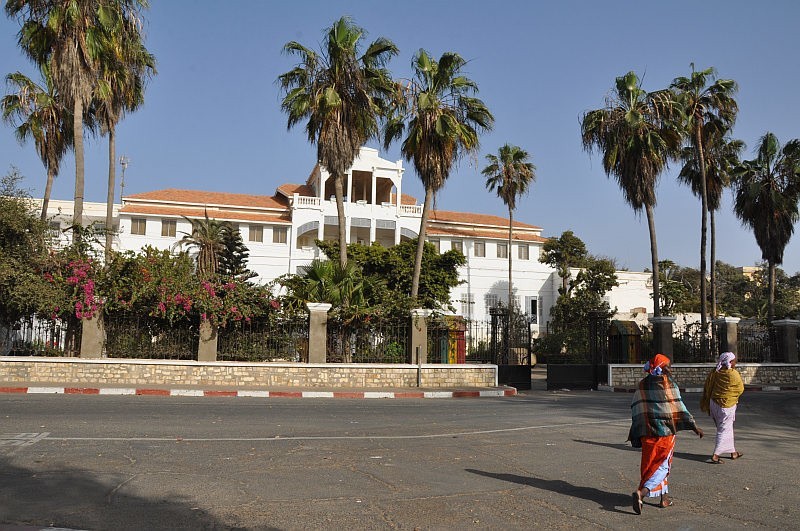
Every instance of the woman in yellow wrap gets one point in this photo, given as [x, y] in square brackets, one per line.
[720, 397]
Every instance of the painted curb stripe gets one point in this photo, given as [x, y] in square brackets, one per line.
[80, 391]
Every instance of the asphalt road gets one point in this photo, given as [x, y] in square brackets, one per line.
[543, 459]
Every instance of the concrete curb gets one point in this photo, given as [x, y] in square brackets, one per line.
[453, 393]
[612, 389]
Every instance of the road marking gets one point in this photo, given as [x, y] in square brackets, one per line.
[333, 437]
[21, 439]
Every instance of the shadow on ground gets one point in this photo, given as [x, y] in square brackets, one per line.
[608, 501]
[72, 498]
[627, 447]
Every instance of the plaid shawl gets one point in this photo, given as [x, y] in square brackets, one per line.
[657, 410]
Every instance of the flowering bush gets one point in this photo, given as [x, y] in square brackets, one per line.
[162, 286]
[74, 279]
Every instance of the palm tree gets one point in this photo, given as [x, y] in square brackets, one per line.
[443, 120]
[636, 142]
[37, 112]
[702, 105]
[342, 96]
[721, 156]
[208, 239]
[510, 173]
[767, 191]
[72, 37]
[121, 90]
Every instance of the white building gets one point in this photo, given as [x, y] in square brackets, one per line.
[280, 231]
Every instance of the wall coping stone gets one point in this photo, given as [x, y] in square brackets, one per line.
[288, 364]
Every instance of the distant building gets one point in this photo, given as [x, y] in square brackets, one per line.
[280, 230]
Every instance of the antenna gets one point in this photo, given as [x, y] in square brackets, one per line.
[123, 161]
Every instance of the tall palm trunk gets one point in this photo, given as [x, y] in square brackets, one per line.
[651, 226]
[112, 147]
[510, 229]
[77, 130]
[338, 190]
[48, 189]
[421, 242]
[713, 264]
[771, 307]
[703, 236]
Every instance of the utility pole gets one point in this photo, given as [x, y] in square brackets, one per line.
[123, 161]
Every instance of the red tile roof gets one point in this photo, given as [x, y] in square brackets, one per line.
[476, 219]
[213, 213]
[211, 198]
[473, 232]
[290, 189]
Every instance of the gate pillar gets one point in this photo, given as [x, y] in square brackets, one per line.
[662, 335]
[786, 336]
[318, 331]
[728, 333]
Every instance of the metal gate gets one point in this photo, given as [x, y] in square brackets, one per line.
[511, 347]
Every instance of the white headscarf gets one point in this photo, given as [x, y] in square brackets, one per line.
[724, 360]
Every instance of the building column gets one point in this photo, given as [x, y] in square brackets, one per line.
[786, 339]
[662, 334]
[728, 333]
[418, 344]
[318, 331]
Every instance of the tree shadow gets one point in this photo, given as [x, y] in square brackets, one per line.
[627, 447]
[608, 501]
[72, 498]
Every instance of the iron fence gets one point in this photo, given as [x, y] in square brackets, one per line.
[755, 343]
[142, 338]
[276, 339]
[453, 339]
[368, 340]
[41, 337]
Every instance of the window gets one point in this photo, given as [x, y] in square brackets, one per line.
[502, 250]
[492, 300]
[532, 309]
[523, 253]
[479, 249]
[168, 227]
[54, 228]
[279, 235]
[437, 244]
[138, 226]
[256, 233]
[457, 245]
[467, 302]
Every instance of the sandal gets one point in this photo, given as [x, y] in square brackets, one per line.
[637, 502]
[716, 461]
[737, 455]
[666, 502]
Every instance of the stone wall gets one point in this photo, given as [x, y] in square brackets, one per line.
[694, 374]
[15, 371]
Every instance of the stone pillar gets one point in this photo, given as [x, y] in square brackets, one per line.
[207, 347]
[419, 336]
[662, 334]
[786, 339]
[318, 331]
[93, 337]
[728, 333]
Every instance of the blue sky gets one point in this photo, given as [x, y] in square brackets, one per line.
[212, 118]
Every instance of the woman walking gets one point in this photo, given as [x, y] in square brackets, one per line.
[657, 414]
[720, 396]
